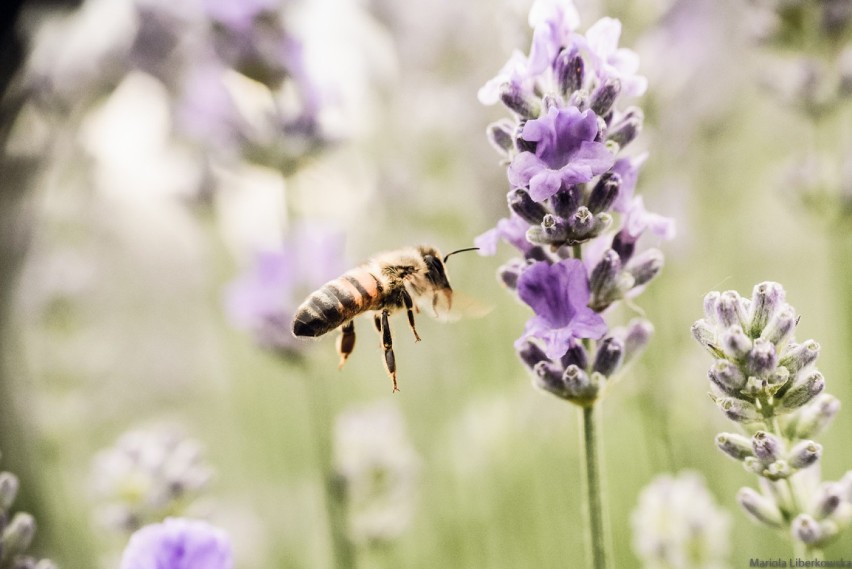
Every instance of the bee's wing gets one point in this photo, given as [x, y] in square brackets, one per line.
[458, 306]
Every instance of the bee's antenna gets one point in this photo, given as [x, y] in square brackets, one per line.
[460, 251]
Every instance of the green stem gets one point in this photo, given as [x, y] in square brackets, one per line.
[592, 480]
[334, 489]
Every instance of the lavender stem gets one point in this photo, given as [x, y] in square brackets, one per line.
[596, 537]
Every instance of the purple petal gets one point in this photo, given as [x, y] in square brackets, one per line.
[523, 167]
[513, 230]
[545, 184]
[178, 544]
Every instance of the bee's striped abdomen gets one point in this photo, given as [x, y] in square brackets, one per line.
[336, 302]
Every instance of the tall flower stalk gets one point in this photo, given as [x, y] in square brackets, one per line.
[573, 216]
[768, 384]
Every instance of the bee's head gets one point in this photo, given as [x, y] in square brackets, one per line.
[436, 274]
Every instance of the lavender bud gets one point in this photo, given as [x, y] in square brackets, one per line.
[548, 376]
[604, 276]
[778, 470]
[566, 201]
[522, 204]
[518, 100]
[8, 491]
[604, 192]
[736, 446]
[828, 499]
[552, 230]
[531, 354]
[816, 415]
[501, 136]
[739, 410]
[579, 99]
[781, 327]
[767, 298]
[627, 129]
[705, 335]
[767, 447]
[804, 454]
[806, 529]
[605, 95]
[760, 508]
[609, 357]
[730, 309]
[581, 223]
[522, 144]
[624, 244]
[18, 535]
[639, 332]
[711, 300]
[646, 266]
[570, 71]
[509, 272]
[727, 377]
[579, 385]
[735, 343]
[801, 393]
[800, 356]
[576, 355]
[761, 359]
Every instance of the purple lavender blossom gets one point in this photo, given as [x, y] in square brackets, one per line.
[178, 543]
[512, 230]
[565, 152]
[559, 296]
[610, 61]
[264, 299]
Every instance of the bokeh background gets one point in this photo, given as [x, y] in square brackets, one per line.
[128, 223]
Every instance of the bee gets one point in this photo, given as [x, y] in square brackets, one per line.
[409, 279]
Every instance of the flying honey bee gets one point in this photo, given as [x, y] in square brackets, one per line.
[413, 278]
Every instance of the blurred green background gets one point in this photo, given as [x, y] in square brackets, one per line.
[116, 315]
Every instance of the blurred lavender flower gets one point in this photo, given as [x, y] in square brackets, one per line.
[378, 469]
[678, 525]
[16, 531]
[768, 383]
[570, 188]
[147, 476]
[178, 543]
[264, 300]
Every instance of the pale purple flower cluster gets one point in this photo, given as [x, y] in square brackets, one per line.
[178, 543]
[767, 382]
[573, 213]
[264, 299]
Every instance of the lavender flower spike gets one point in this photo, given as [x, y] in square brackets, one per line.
[178, 543]
[559, 295]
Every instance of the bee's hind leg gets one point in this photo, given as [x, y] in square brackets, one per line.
[409, 306]
[346, 341]
[387, 345]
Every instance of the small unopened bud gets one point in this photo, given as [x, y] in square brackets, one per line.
[778, 470]
[522, 144]
[510, 272]
[734, 445]
[566, 201]
[735, 343]
[801, 392]
[570, 71]
[711, 300]
[580, 385]
[730, 309]
[531, 354]
[605, 95]
[727, 377]
[501, 135]
[548, 376]
[760, 508]
[576, 355]
[639, 332]
[626, 130]
[624, 244]
[18, 535]
[604, 276]
[604, 193]
[8, 491]
[767, 447]
[609, 357]
[800, 356]
[705, 335]
[806, 529]
[645, 266]
[804, 454]
[828, 499]
[739, 410]
[761, 360]
[579, 99]
[520, 101]
[522, 204]
[816, 415]
[781, 327]
[581, 223]
[552, 230]
[767, 298]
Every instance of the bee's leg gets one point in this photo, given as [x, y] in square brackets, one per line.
[409, 305]
[377, 320]
[346, 341]
[387, 344]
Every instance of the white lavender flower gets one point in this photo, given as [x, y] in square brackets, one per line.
[678, 525]
[146, 476]
[378, 468]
